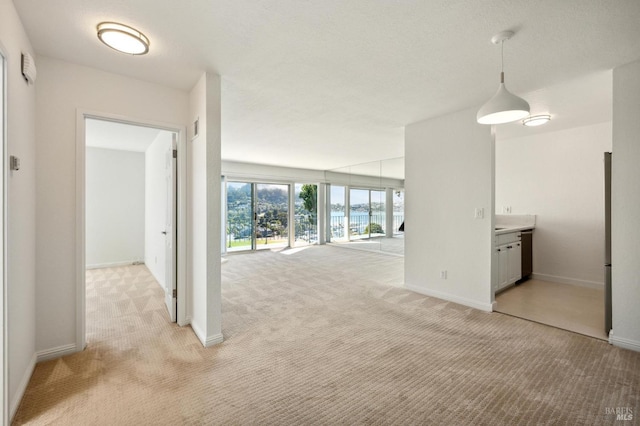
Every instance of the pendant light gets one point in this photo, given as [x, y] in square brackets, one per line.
[504, 107]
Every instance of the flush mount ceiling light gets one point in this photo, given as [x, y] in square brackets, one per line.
[536, 120]
[123, 38]
[504, 107]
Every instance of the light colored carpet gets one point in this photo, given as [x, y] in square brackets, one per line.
[394, 246]
[325, 336]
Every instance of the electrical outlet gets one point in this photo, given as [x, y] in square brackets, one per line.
[443, 275]
[506, 209]
[478, 213]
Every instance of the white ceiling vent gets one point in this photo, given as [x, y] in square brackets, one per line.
[28, 68]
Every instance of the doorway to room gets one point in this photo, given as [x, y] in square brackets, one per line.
[130, 210]
[132, 227]
[558, 178]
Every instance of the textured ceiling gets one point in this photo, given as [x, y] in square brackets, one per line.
[328, 83]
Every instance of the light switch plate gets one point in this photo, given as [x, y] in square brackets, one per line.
[479, 213]
[14, 163]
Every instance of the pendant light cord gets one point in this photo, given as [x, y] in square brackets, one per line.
[502, 61]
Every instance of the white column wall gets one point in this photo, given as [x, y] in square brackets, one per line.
[206, 208]
[322, 212]
[625, 207]
[448, 174]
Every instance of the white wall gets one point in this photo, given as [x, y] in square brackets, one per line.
[63, 88]
[448, 174]
[156, 205]
[268, 173]
[250, 171]
[115, 207]
[206, 207]
[559, 177]
[21, 205]
[625, 207]
[3, 401]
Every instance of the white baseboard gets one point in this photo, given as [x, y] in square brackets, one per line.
[213, 340]
[206, 341]
[567, 280]
[114, 264]
[487, 307]
[621, 342]
[22, 387]
[53, 353]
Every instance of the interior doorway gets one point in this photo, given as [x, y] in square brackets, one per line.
[133, 207]
[130, 201]
[552, 182]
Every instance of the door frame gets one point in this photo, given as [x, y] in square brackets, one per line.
[4, 359]
[181, 275]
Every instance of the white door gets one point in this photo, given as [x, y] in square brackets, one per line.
[170, 230]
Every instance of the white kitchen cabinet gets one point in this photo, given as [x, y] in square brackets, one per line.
[515, 262]
[503, 267]
[509, 260]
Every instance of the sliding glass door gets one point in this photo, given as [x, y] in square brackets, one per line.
[239, 216]
[398, 211]
[257, 216]
[359, 213]
[272, 216]
[377, 223]
[338, 213]
[367, 213]
[306, 214]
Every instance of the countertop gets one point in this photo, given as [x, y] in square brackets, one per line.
[514, 223]
[505, 229]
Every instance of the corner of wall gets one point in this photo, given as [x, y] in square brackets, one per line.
[205, 207]
[625, 206]
[449, 175]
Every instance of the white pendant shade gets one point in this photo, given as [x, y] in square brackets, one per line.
[503, 107]
[123, 38]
